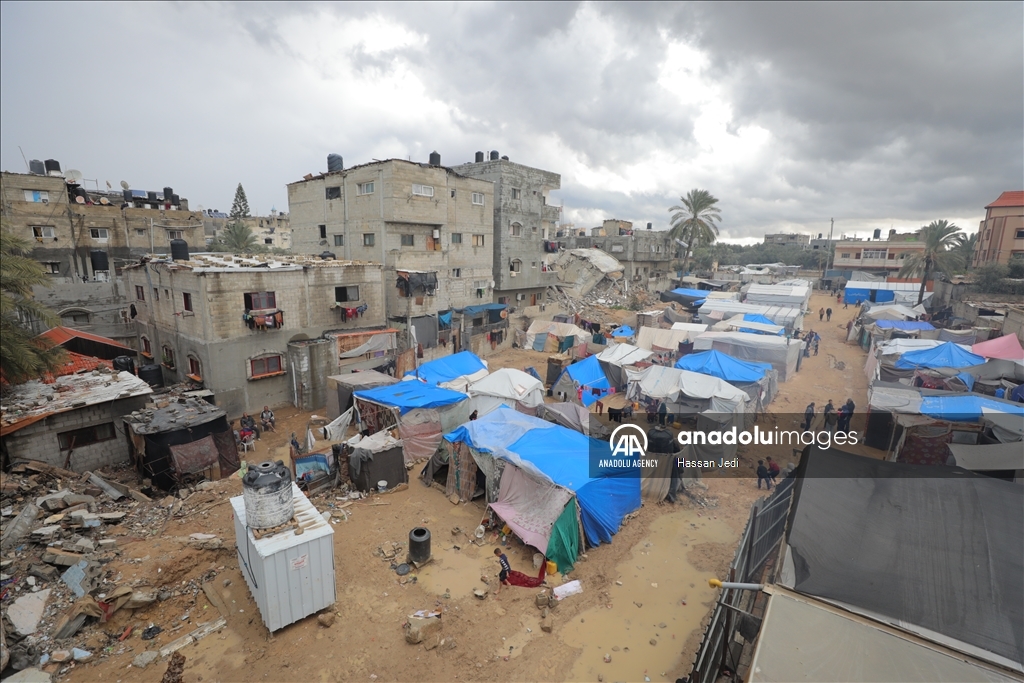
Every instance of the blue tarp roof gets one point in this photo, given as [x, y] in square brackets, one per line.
[967, 378]
[448, 368]
[903, 325]
[563, 457]
[758, 318]
[723, 366]
[699, 293]
[623, 331]
[408, 395]
[965, 407]
[477, 310]
[589, 374]
[947, 355]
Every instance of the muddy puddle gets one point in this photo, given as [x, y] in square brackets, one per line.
[645, 624]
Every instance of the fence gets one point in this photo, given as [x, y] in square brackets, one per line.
[760, 537]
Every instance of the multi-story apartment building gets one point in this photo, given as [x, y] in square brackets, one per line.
[880, 257]
[84, 237]
[1001, 234]
[243, 326]
[646, 255]
[788, 239]
[523, 234]
[272, 231]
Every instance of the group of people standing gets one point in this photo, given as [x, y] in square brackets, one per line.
[834, 420]
[811, 339]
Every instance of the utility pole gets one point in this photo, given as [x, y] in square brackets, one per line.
[74, 243]
[831, 253]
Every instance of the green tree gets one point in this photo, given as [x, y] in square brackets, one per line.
[240, 206]
[22, 356]
[966, 251]
[989, 278]
[694, 221]
[237, 238]
[942, 240]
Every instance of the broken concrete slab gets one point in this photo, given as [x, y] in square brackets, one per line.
[60, 656]
[25, 613]
[106, 487]
[112, 516]
[84, 545]
[45, 534]
[53, 501]
[30, 675]
[61, 558]
[200, 633]
[13, 532]
[421, 629]
[144, 659]
[75, 578]
[81, 655]
[54, 519]
[44, 572]
[108, 543]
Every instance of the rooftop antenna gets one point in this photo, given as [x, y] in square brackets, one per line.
[73, 176]
[109, 186]
[27, 167]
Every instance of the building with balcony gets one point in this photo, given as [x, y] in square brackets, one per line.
[523, 232]
[1001, 234]
[258, 330]
[788, 239]
[879, 257]
[430, 226]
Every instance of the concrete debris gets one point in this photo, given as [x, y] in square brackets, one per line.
[20, 527]
[25, 613]
[60, 656]
[419, 629]
[30, 675]
[146, 658]
[326, 619]
[81, 655]
[196, 635]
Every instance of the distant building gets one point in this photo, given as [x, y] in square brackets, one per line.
[272, 231]
[788, 239]
[523, 227]
[1001, 234]
[256, 330]
[646, 255]
[83, 237]
[879, 257]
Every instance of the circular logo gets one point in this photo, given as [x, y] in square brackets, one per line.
[625, 442]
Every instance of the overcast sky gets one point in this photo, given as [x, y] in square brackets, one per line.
[874, 114]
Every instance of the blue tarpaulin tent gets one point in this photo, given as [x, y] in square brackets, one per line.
[758, 318]
[448, 368]
[409, 395]
[588, 374]
[965, 407]
[853, 295]
[623, 331]
[947, 355]
[906, 325]
[684, 296]
[723, 366]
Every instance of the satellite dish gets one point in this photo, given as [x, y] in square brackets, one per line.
[104, 201]
[109, 186]
[323, 243]
[80, 200]
[199, 208]
[73, 175]
[125, 185]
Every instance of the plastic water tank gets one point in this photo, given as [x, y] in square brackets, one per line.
[99, 260]
[335, 163]
[125, 364]
[127, 194]
[435, 159]
[51, 166]
[479, 157]
[167, 194]
[327, 255]
[179, 250]
[176, 200]
[152, 375]
[494, 155]
[151, 196]
[419, 544]
[36, 167]
[267, 494]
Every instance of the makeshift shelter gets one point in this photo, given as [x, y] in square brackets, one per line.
[780, 352]
[421, 413]
[545, 482]
[615, 358]
[758, 380]
[552, 337]
[902, 515]
[1006, 347]
[947, 355]
[905, 326]
[623, 331]
[583, 381]
[341, 387]
[573, 416]
[744, 324]
[664, 341]
[792, 296]
[375, 458]
[508, 387]
[686, 392]
[456, 371]
[890, 312]
[691, 298]
[719, 309]
[695, 328]
[1004, 460]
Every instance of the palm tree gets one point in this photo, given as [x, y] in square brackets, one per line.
[966, 250]
[942, 241]
[22, 356]
[238, 238]
[694, 221]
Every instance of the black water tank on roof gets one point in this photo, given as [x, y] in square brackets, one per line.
[127, 194]
[335, 163]
[176, 200]
[124, 363]
[51, 166]
[494, 155]
[179, 250]
[99, 260]
[36, 167]
[878, 233]
[479, 157]
[152, 375]
[167, 195]
[151, 195]
[327, 254]
[650, 226]
[435, 159]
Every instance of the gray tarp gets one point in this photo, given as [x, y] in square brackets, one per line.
[573, 416]
[937, 548]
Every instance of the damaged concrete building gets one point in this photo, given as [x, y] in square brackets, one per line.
[580, 270]
[646, 255]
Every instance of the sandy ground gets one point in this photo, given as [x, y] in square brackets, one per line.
[644, 596]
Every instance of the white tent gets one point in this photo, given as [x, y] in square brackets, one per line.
[782, 353]
[690, 327]
[659, 340]
[738, 322]
[891, 312]
[793, 296]
[616, 357]
[789, 317]
[676, 386]
[507, 386]
[544, 333]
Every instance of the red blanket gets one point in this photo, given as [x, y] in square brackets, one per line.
[520, 579]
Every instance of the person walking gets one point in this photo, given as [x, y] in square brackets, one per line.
[821, 314]
[762, 473]
[816, 341]
[846, 304]
[808, 417]
[828, 315]
[831, 417]
[662, 412]
[773, 470]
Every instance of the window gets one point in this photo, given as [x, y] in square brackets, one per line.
[516, 193]
[75, 318]
[167, 294]
[141, 232]
[175, 234]
[323, 231]
[515, 230]
[534, 230]
[515, 266]
[456, 238]
[195, 370]
[845, 254]
[408, 241]
[51, 267]
[261, 367]
[478, 198]
[369, 239]
[422, 190]
[140, 293]
[364, 188]
[903, 256]
[453, 194]
[892, 255]
[147, 348]
[77, 438]
[260, 301]
[186, 301]
[874, 253]
[44, 232]
[99, 234]
[156, 294]
[478, 240]
[339, 240]
[1019, 235]
[456, 272]
[343, 294]
[856, 257]
[168, 356]
[480, 292]
[268, 240]
[333, 192]
[37, 196]
[533, 264]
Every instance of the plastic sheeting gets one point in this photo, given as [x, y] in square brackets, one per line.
[891, 312]
[511, 386]
[676, 385]
[948, 355]
[1006, 347]
[407, 396]
[572, 416]
[657, 339]
[780, 352]
[923, 547]
[794, 296]
[539, 331]
[696, 328]
[988, 457]
[530, 506]
[587, 374]
[463, 365]
[786, 316]
[614, 358]
[724, 367]
[623, 331]
[564, 544]
[384, 341]
[965, 407]
[904, 325]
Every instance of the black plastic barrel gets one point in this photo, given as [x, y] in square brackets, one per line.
[267, 494]
[124, 363]
[99, 260]
[152, 375]
[179, 250]
[419, 544]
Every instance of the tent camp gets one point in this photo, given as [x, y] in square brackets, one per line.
[691, 298]
[664, 341]
[947, 355]
[780, 352]
[686, 392]
[792, 296]
[584, 382]
[451, 372]
[1006, 347]
[758, 380]
[882, 292]
[614, 358]
[421, 412]
[545, 492]
[552, 337]
[341, 387]
[714, 310]
[573, 416]
[891, 312]
[508, 387]
[376, 458]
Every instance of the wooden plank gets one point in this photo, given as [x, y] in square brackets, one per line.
[215, 598]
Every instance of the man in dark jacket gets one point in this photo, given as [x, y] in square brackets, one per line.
[762, 473]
